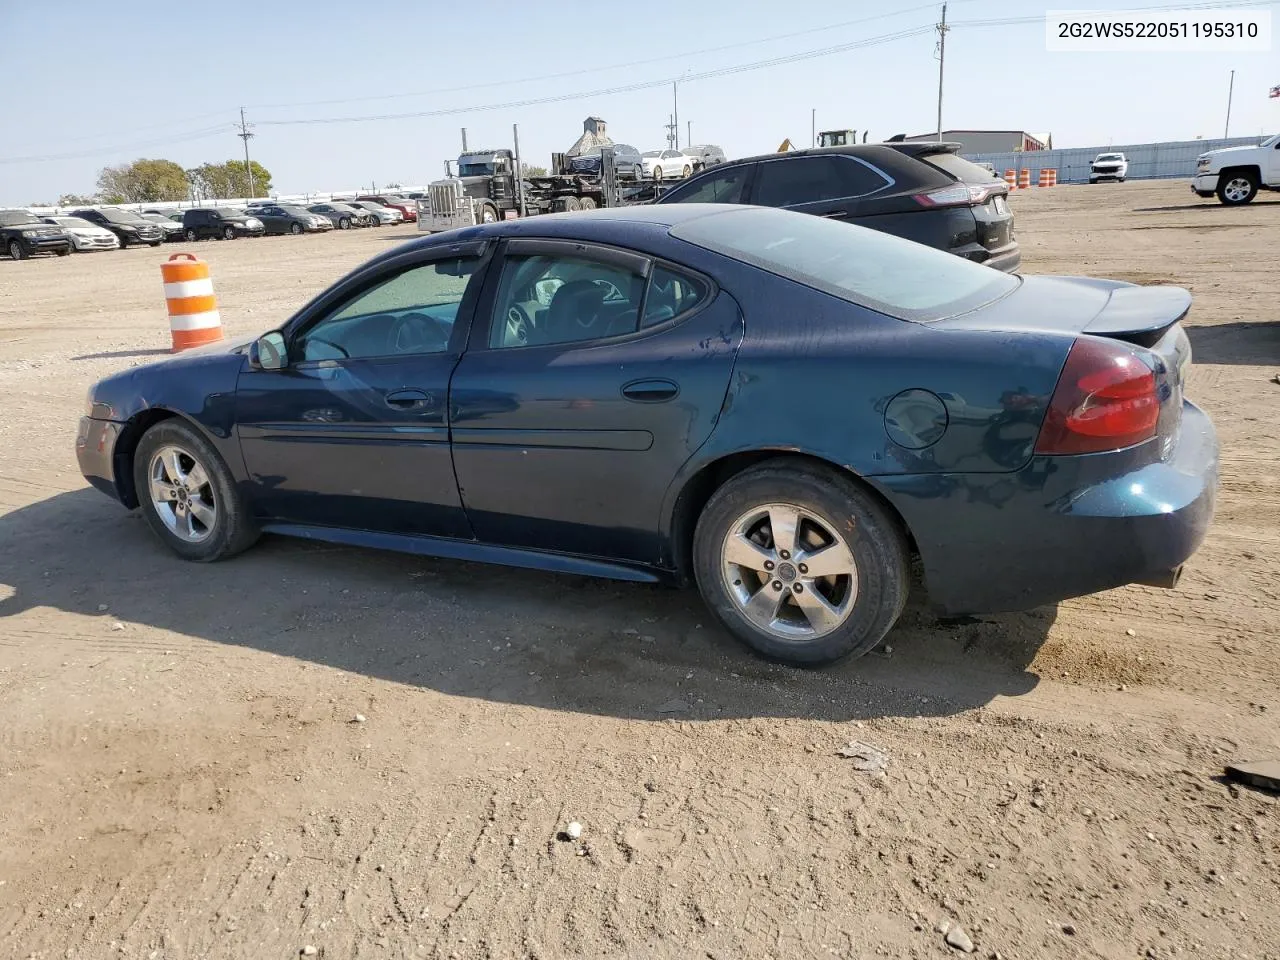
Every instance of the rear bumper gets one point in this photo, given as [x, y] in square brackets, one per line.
[1007, 258]
[1062, 526]
[95, 451]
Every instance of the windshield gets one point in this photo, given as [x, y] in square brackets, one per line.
[1110, 156]
[295, 211]
[652, 153]
[14, 218]
[74, 223]
[872, 269]
[116, 215]
[475, 169]
[228, 213]
[1272, 141]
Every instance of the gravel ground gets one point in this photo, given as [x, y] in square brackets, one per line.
[333, 752]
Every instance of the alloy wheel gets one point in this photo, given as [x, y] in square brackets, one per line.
[181, 494]
[789, 572]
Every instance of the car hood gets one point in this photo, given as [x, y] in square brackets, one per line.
[1228, 151]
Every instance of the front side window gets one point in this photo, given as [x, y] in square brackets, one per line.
[785, 183]
[728, 186]
[553, 299]
[412, 312]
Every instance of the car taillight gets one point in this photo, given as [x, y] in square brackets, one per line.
[1106, 399]
[959, 195]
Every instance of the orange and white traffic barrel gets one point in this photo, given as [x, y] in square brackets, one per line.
[193, 309]
[1011, 178]
[1048, 177]
[1053, 176]
[1024, 179]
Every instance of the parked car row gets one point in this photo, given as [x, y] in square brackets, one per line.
[24, 234]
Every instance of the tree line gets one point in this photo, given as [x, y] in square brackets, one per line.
[150, 181]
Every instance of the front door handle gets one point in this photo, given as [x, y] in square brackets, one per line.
[651, 391]
[407, 399]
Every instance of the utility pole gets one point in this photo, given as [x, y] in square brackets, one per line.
[675, 107]
[942, 29]
[813, 127]
[464, 139]
[688, 131]
[244, 135]
[1230, 92]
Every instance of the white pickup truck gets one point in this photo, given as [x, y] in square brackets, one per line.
[1236, 174]
[1109, 166]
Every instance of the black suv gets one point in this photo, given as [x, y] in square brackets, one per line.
[125, 224]
[626, 161]
[924, 192]
[23, 234]
[203, 223]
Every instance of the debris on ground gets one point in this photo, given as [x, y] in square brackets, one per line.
[865, 757]
[957, 938]
[574, 830]
[1264, 775]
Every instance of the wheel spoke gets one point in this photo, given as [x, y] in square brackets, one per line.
[196, 477]
[764, 605]
[831, 561]
[822, 616]
[783, 523]
[746, 553]
[173, 466]
[203, 512]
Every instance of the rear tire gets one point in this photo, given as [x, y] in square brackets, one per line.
[1237, 189]
[572, 204]
[587, 203]
[686, 171]
[231, 529]
[811, 620]
[657, 174]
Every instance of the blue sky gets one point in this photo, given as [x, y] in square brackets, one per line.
[151, 79]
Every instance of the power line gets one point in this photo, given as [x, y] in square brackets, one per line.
[622, 88]
[613, 66]
[207, 132]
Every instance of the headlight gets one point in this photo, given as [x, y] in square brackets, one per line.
[254, 222]
[31, 233]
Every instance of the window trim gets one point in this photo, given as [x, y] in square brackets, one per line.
[357, 284]
[889, 181]
[482, 326]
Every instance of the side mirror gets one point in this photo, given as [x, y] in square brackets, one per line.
[268, 352]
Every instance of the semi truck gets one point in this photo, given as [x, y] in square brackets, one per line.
[489, 185]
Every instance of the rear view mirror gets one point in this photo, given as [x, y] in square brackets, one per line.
[268, 352]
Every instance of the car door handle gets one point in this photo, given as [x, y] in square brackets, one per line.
[651, 391]
[407, 399]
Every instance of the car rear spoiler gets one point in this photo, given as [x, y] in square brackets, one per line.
[925, 148]
[1140, 315]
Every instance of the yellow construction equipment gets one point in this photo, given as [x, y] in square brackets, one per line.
[785, 145]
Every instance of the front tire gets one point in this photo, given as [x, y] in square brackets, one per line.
[686, 171]
[191, 236]
[66, 252]
[800, 563]
[657, 174]
[295, 229]
[15, 251]
[344, 223]
[488, 213]
[228, 233]
[1237, 189]
[188, 495]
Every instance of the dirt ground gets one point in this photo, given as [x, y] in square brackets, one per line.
[183, 773]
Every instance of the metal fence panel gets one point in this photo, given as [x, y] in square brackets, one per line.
[1147, 161]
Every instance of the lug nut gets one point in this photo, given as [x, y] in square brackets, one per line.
[777, 584]
[785, 554]
[798, 588]
[768, 564]
[803, 568]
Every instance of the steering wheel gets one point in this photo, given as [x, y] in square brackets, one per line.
[329, 343]
[416, 333]
[518, 326]
[611, 290]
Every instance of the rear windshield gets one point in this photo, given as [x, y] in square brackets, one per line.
[888, 274]
[954, 165]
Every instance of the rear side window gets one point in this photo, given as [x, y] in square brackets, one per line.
[785, 183]
[954, 165]
[872, 269]
[670, 294]
[727, 187]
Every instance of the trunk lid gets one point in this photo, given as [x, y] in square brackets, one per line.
[992, 215]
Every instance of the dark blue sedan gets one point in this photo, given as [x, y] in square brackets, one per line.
[781, 409]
